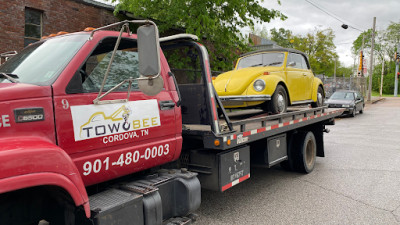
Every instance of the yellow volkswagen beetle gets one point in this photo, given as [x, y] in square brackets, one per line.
[271, 79]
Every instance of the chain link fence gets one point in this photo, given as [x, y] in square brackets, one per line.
[344, 83]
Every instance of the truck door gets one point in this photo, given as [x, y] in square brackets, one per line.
[114, 139]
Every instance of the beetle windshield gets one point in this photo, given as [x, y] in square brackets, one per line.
[42, 62]
[263, 59]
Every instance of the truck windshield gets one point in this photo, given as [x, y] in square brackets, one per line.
[42, 62]
[264, 59]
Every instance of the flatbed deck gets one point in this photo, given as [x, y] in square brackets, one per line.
[251, 125]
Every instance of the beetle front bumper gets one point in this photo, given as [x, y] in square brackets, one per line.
[245, 98]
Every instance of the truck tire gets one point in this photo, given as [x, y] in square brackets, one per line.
[320, 98]
[279, 100]
[304, 152]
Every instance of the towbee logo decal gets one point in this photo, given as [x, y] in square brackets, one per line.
[93, 121]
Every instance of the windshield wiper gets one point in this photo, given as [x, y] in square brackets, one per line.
[260, 64]
[274, 63]
[10, 77]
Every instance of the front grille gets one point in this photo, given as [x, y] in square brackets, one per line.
[335, 105]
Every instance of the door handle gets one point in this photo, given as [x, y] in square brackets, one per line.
[165, 105]
[304, 74]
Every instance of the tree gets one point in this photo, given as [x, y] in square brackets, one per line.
[217, 22]
[319, 47]
[385, 47]
[282, 37]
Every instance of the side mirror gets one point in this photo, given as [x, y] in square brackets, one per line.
[148, 50]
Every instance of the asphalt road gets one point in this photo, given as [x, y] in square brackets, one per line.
[358, 181]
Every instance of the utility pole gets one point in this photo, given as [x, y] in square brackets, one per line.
[383, 70]
[362, 59]
[371, 65]
[396, 79]
[334, 76]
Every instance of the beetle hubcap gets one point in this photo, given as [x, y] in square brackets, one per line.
[319, 99]
[281, 102]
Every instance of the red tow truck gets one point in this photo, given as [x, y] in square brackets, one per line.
[96, 129]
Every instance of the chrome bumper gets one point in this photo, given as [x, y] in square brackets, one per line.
[245, 98]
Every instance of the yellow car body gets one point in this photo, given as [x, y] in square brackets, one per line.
[236, 88]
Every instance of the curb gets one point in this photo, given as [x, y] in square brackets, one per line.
[373, 101]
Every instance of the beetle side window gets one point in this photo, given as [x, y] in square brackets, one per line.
[304, 64]
[294, 61]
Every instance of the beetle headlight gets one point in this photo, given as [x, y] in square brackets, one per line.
[259, 85]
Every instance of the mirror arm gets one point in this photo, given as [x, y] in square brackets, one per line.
[98, 101]
[112, 59]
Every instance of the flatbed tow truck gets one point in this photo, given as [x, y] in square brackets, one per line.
[93, 135]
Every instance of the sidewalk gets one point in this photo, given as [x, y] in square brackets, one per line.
[375, 99]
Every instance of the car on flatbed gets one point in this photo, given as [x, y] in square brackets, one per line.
[272, 79]
[351, 100]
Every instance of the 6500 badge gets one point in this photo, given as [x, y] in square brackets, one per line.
[93, 121]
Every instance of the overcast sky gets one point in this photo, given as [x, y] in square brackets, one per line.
[303, 17]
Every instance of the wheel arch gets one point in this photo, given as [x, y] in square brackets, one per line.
[317, 83]
[28, 162]
[36, 203]
[283, 84]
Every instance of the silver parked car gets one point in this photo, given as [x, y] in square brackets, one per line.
[352, 101]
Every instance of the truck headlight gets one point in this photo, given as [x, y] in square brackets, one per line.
[345, 106]
[259, 85]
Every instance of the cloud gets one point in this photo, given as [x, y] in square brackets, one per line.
[303, 17]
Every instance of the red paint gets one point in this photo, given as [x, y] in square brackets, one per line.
[286, 123]
[275, 126]
[261, 130]
[244, 178]
[214, 110]
[241, 179]
[225, 187]
[247, 133]
[46, 153]
[208, 72]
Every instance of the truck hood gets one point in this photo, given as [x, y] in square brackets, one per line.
[12, 91]
[235, 82]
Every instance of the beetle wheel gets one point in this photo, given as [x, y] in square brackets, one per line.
[279, 102]
[320, 98]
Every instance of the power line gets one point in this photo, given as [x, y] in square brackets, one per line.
[331, 14]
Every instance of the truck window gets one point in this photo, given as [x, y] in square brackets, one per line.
[41, 63]
[125, 65]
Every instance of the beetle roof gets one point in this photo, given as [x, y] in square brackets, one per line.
[275, 50]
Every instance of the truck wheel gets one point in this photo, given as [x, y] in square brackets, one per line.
[305, 152]
[279, 101]
[320, 98]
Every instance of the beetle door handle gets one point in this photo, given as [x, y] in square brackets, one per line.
[304, 74]
[165, 105]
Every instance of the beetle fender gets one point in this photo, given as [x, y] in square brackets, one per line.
[271, 82]
[316, 83]
[33, 161]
